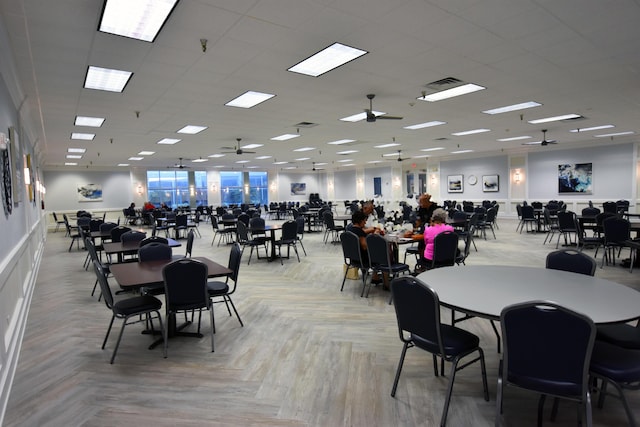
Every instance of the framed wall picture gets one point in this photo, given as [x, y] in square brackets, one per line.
[89, 193]
[455, 183]
[490, 183]
[575, 178]
[298, 188]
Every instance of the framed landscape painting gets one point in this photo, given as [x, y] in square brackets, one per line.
[490, 183]
[455, 183]
[575, 178]
[89, 193]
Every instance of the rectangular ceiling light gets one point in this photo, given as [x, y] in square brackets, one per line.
[285, 137]
[199, 160]
[74, 156]
[136, 19]
[304, 149]
[461, 151]
[614, 134]
[249, 99]
[123, 164]
[83, 136]
[514, 107]
[514, 138]
[261, 157]
[361, 116]
[345, 152]
[135, 158]
[168, 141]
[76, 150]
[327, 59]
[453, 92]
[302, 159]
[70, 164]
[425, 125]
[146, 153]
[94, 122]
[106, 79]
[391, 144]
[280, 163]
[471, 132]
[345, 160]
[341, 141]
[555, 118]
[192, 129]
[216, 155]
[591, 128]
[251, 146]
[432, 149]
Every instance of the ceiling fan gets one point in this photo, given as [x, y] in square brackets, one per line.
[179, 165]
[371, 117]
[399, 159]
[544, 141]
[237, 150]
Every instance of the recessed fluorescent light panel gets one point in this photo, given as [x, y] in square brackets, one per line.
[123, 164]
[216, 155]
[614, 134]
[432, 149]
[349, 164]
[461, 151]
[302, 159]
[591, 128]
[453, 92]
[514, 107]
[471, 132]
[106, 79]
[361, 116]
[391, 154]
[391, 144]
[83, 136]
[261, 157]
[76, 150]
[251, 146]
[514, 138]
[321, 164]
[94, 122]
[341, 141]
[192, 129]
[327, 59]
[555, 118]
[135, 158]
[345, 160]
[146, 153]
[168, 141]
[345, 152]
[139, 19]
[304, 149]
[285, 137]
[199, 160]
[73, 156]
[425, 125]
[280, 163]
[70, 164]
[375, 161]
[249, 99]
[243, 161]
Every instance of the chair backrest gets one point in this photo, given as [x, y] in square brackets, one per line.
[491, 215]
[566, 220]
[300, 223]
[610, 207]
[214, 222]
[153, 239]
[417, 309]
[190, 237]
[257, 224]
[106, 227]
[84, 222]
[616, 230]
[133, 236]
[327, 218]
[104, 284]
[378, 250]
[290, 230]
[350, 243]
[185, 284]
[590, 211]
[242, 233]
[571, 260]
[117, 232]
[536, 205]
[154, 251]
[547, 347]
[95, 223]
[235, 258]
[445, 246]
[527, 212]
[227, 216]
[181, 220]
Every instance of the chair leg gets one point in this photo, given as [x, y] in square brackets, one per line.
[113, 356]
[213, 326]
[228, 298]
[108, 331]
[399, 369]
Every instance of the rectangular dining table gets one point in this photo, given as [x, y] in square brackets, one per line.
[124, 248]
[135, 275]
[272, 238]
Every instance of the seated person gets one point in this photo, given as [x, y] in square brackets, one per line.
[357, 227]
[437, 225]
[148, 206]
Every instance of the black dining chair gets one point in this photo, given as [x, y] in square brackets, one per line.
[571, 260]
[126, 309]
[547, 350]
[224, 289]
[380, 259]
[417, 310]
[353, 258]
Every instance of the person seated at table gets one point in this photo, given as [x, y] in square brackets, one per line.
[148, 206]
[425, 211]
[436, 226]
[357, 227]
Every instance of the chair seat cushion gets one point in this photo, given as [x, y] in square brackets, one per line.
[217, 288]
[626, 336]
[616, 363]
[394, 267]
[135, 305]
[545, 386]
[454, 340]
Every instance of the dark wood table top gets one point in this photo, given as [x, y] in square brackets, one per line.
[137, 274]
[107, 235]
[119, 247]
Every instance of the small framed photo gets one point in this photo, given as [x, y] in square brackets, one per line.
[490, 183]
[455, 183]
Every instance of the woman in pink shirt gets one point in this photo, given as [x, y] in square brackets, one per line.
[437, 226]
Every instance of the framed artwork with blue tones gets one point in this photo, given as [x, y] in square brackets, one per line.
[575, 178]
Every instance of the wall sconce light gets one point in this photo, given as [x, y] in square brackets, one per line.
[396, 182]
[139, 190]
[214, 188]
[246, 189]
[274, 186]
[330, 184]
[433, 179]
[192, 191]
[359, 181]
[516, 177]
[27, 176]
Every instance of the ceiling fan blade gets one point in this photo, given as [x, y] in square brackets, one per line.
[386, 117]
[248, 152]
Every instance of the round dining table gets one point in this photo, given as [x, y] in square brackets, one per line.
[484, 290]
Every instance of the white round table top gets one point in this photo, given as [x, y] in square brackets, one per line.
[485, 290]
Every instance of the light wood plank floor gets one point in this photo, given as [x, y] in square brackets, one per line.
[308, 355]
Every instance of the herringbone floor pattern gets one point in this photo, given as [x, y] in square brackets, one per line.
[308, 355]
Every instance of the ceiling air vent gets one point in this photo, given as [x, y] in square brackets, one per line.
[444, 83]
[305, 125]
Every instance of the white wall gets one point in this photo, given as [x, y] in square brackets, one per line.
[481, 166]
[117, 190]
